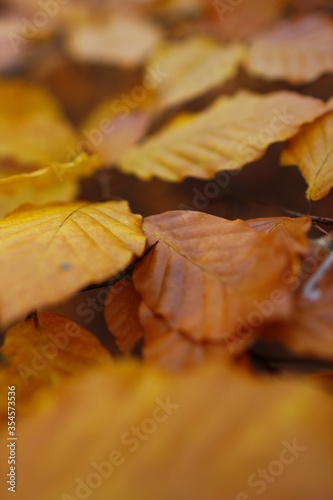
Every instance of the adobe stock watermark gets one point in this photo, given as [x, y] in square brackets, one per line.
[225, 7]
[248, 150]
[39, 20]
[129, 442]
[263, 477]
[263, 310]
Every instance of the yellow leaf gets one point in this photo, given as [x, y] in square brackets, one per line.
[232, 132]
[57, 182]
[33, 129]
[312, 151]
[298, 50]
[48, 253]
[41, 353]
[192, 67]
[211, 278]
[130, 432]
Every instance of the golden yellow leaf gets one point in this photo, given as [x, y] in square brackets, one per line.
[48, 253]
[232, 132]
[312, 151]
[41, 353]
[191, 67]
[121, 315]
[57, 182]
[132, 432]
[33, 129]
[298, 50]
[122, 39]
[211, 278]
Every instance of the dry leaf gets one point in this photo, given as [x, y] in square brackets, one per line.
[312, 151]
[41, 353]
[123, 39]
[310, 331]
[33, 129]
[57, 182]
[121, 315]
[232, 132]
[298, 50]
[293, 232]
[209, 278]
[191, 67]
[173, 351]
[48, 253]
[113, 126]
[123, 432]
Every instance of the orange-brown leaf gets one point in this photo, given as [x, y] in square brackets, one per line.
[121, 315]
[207, 276]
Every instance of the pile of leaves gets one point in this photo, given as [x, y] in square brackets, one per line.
[167, 328]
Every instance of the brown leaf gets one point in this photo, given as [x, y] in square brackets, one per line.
[48, 253]
[207, 277]
[312, 151]
[310, 330]
[233, 131]
[121, 315]
[173, 351]
[114, 126]
[298, 50]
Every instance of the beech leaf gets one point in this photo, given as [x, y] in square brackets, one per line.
[189, 428]
[48, 253]
[41, 353]
[312, 151]
[298, 50]
[206, 274]
[233, 131]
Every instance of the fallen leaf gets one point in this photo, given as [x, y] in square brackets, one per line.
[113, 126]
[173, 351]
[121, 315]
[207, 277]
[312, 151]
[41, 353]
[293, 232]
[298, 50]
[310, 330]
[57, 182]
[122, 39]
[33, 129]
[191, 67]
[48, 253]
[189, 428]
[232, 132]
